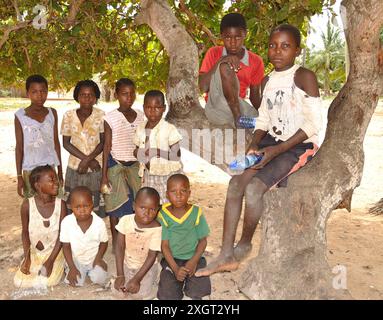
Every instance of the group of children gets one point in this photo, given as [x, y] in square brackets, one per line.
[104, 152]
[128, 167]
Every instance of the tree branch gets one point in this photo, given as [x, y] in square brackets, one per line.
[10, 29]
[183, 8]
[74, 8]
[18, 15]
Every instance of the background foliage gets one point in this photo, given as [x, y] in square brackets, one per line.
[104, 40]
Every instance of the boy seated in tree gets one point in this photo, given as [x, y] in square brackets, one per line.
[227, 72]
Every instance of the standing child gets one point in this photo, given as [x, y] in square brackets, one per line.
[85, 240]
[138, 242]
[120, 167]
[41, 215]
[37, 141]
[157, 145]
[184, 232]
[83, 138]
[287, 136]
[228, 71]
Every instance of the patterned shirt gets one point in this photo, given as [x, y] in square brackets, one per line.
[84, 137]
[38, 140]
[285, 108]
[162, 136]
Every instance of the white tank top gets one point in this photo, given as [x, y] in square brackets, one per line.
[38, 231]
[286, 108]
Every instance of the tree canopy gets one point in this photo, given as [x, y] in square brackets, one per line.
[83, 38]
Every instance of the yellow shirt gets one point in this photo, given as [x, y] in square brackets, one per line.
[162, 136]
[84, 138]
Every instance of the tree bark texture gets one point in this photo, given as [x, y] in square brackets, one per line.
[292, 262]
[182, 88]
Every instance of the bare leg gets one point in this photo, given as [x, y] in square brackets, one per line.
[113, 223]
[253, 210]
[230, 89]
[233, 206]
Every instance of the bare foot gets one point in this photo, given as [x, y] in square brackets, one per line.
[241, 251]
[220, 264]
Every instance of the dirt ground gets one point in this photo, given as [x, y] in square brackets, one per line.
[354, 239]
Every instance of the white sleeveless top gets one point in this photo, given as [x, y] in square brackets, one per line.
[285, 108]
[38, 232]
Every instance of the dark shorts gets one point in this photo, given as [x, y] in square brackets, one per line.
[91, 180]
[169, 288]
[278, 169]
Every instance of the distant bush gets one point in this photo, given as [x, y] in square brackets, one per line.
[5, 93]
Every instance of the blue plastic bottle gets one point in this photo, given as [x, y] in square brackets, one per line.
[244, 162]
[246, 122]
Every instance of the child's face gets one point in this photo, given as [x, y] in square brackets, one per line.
[126, 96]
[154, 109]
[37, 93]
[48, 183]
[178, 192]
[282, 50]
[233, 39]
[82, 205]
[86, 97]
[146, 208]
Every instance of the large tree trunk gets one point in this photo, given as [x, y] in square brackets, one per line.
[182, 89]
[185, 111]
[292, 262]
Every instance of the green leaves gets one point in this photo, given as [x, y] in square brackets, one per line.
[104, 39]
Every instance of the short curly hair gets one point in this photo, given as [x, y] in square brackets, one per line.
[294, 31]
[87, 84]
[35, 78]
[37, 173]
[233, 20]
[124, 82]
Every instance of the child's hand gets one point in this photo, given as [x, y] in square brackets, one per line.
[20, 186]
[94, 165]
[141, 155]
[191, 266]
[232, 61]
[182, 273]
[253, 149]
[153, 153]
[100, 263]
[25, 266]
[119, 284]
[46, 269]
[72, 276]
[133, 286]
[269, 153]
[83, 166]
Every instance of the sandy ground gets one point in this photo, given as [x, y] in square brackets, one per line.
[354, 239]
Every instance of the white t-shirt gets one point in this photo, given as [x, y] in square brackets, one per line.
[84, 245]
[138, 241]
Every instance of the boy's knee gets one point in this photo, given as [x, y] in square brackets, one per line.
[236, 187]
[225, 71]
[254, 191]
